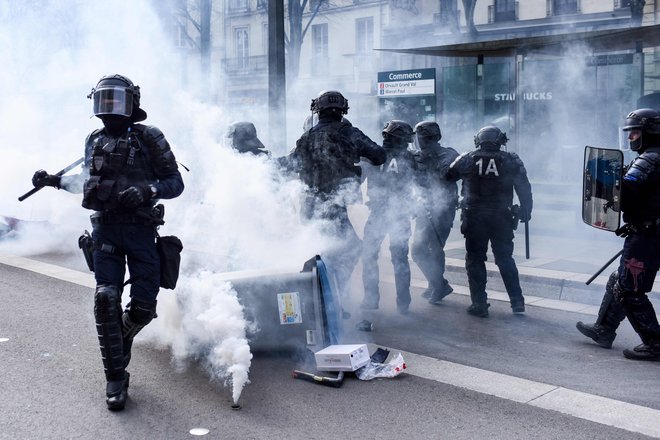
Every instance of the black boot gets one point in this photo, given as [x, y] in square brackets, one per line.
[601, 335]
[438, 294]
[107, 313]
[643, 352]
[116, 392]
[610, 315]
[480, 310]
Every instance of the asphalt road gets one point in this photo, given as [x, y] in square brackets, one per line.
[53, 385]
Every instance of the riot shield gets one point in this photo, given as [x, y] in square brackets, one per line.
[601, 190]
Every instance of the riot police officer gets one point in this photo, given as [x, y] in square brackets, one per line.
[438, 200]
[242, 137]
[127, 168]
[389, 188]
[489, 177]
[326, 158]
[640, 260]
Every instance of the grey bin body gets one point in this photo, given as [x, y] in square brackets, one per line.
[258, 293]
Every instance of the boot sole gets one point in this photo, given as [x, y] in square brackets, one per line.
[629, 354]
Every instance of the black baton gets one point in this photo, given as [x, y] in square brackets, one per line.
[59, 173]
[527, 240]
[604, 267]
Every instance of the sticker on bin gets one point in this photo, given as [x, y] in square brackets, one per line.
[289, 308]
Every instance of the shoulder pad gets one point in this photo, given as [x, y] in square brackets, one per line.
[162, 158]
[652, 156]
[461, 156]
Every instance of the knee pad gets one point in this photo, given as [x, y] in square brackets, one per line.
[107, 302]
[141, 312]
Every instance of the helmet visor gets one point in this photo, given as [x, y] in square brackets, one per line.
[630, 138]
[113, 101]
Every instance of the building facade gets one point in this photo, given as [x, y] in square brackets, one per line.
[551, 103]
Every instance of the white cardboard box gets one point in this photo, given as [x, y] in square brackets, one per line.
[342, 357]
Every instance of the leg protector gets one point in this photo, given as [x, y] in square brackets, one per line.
[611, 312]
[641, 315]
[107, 313]
[136, 316]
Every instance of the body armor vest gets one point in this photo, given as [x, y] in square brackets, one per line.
[641, 194]
[115, 164]
[490, 182]
[327, 158]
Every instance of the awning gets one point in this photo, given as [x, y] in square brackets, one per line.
[602, 40]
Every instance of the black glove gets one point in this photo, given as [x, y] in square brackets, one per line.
[525, 215]
[624, 231]
[134, 196]
[42, 178]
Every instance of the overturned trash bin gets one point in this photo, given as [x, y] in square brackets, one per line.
[293, 311]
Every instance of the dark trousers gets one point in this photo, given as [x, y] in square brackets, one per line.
[428, 248]
[342, 257]
[480, 228]
[396, 224]
[638, 267]
[128, 243]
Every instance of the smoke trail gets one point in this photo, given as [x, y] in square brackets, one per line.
[237, 212]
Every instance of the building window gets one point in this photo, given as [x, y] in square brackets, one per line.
[238, 5]
[620, 4]
[319, 48]
[563, 7]
[264, 37]
[364, 35]
[242, 45]
[504, 10]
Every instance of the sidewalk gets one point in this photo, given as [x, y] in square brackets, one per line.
[564, 254]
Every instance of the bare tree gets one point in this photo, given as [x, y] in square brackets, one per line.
[200, 17]
[293, 41]
[468, 6]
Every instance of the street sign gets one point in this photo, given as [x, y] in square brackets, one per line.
[406, 83]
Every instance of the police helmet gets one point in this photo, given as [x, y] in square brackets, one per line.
[117, 95]
[490, 138]
[330, 100]
[647, 120]
[242, 130]
[428, 129]
[398, 129]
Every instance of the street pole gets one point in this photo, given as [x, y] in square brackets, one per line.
[276, 77]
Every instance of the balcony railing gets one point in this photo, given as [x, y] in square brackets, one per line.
[495, 16]
[245, 65]
[562, 7]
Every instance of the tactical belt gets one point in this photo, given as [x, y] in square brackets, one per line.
[647, 227]
[113, 219]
